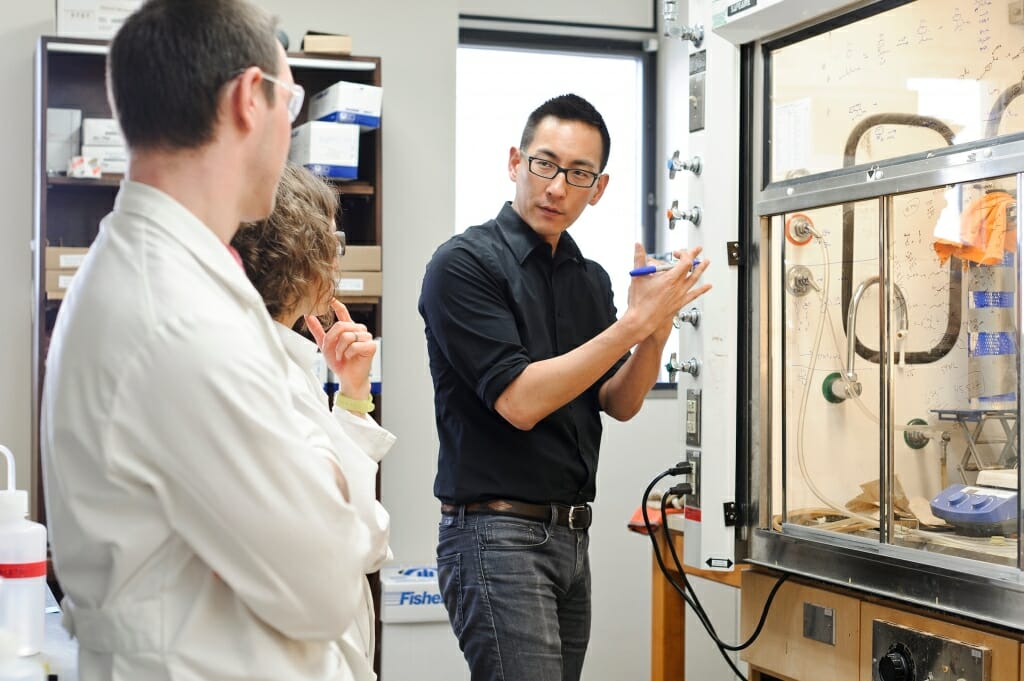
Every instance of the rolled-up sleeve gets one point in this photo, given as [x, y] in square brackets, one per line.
[467, 312]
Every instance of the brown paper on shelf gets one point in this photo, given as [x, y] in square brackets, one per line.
[869, 496]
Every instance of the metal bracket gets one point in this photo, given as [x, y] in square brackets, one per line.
[734, 252]
[729, 512]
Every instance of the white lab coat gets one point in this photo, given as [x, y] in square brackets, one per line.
[193, 529]
[359, 446]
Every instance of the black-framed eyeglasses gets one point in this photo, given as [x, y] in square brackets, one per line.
[577, 177]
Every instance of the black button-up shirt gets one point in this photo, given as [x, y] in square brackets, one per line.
[494, 299]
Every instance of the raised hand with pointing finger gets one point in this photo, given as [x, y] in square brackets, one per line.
[348, 349]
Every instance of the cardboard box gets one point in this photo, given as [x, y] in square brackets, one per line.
[411, 594]
[57, 282]
[63, 132]
[360, 259]
[64, 257]
[103, 132]
[358, 285]
[327, 149]
[346, 102]
[93, 18]
[327, 43]
[111, 159]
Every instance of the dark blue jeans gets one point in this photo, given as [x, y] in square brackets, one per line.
[518, 595]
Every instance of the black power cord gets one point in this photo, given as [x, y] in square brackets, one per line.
[686, 591]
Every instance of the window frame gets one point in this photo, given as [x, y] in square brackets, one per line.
[476, 37]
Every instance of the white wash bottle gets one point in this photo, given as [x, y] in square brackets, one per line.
[22, 567]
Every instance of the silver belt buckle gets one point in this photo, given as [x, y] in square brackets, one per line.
[579, 517]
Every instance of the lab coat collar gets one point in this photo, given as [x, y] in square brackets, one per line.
[170, 216]
[300, 349]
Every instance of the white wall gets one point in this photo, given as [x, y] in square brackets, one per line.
[22, 24]
[632, 454]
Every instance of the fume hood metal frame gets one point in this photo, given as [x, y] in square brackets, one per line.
[971, 588]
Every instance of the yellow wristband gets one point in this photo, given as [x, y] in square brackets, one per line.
[351, 404]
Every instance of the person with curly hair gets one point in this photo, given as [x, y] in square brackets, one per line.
[291, 258]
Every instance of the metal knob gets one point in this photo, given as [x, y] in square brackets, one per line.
[916, 439]
[674, 215]
[694, 33]
[690, 366]
[800, 281]
[675, 165]
[896, 665]
[692, 316]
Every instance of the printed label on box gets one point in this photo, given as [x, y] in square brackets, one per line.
[350, 285]
[411, 595]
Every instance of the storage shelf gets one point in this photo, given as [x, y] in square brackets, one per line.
[65, 181]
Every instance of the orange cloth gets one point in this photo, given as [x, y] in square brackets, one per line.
[636, 523]
[984, 234]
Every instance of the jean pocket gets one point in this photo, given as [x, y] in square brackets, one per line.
[511, 533]
[449, 580]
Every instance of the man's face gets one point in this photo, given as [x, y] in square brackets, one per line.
[550, 206]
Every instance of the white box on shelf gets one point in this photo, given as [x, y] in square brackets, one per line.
[346, 102]
[327, 149]
[101, 132]
[375, 369]
[63, 131]
[111, 159]
[93, 18]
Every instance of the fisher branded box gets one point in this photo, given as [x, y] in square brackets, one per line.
[346, 102]
[416, 640]
[411, 594]
[327, 149]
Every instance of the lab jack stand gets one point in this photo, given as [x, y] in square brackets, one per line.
[981, 446]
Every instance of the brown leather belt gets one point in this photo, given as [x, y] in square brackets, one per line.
[574, 517]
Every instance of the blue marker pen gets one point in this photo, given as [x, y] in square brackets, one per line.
[651, 269]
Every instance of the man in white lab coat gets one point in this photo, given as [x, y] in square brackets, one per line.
[194, 528]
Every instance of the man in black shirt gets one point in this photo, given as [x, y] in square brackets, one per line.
[525, 352]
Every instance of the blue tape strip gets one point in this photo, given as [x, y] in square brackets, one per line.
[989, 343]
[1006, 397]
[991, 299]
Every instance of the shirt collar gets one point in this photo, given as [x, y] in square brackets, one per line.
[173, 218]
[300, 349]
[523, 241]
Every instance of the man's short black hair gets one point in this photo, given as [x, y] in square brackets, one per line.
[170, 60]
[568, 107]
